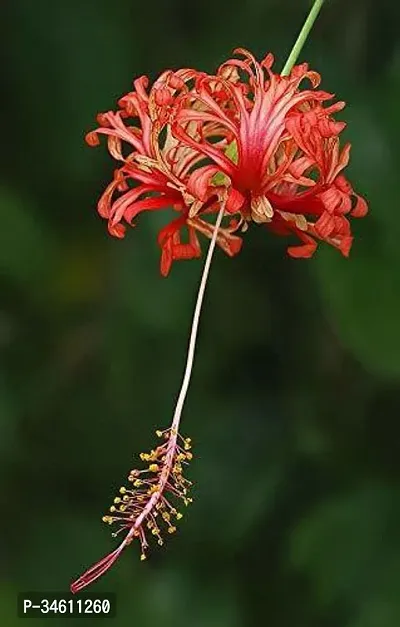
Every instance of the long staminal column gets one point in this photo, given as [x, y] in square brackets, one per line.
[139, 510]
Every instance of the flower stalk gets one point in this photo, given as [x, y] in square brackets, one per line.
[301, 39]
[136, 510]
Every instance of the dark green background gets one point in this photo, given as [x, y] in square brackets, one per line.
[294, 403]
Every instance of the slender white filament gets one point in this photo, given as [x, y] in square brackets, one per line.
[195, 325]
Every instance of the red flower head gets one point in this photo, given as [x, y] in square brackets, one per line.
[157, 171]
[287, 164]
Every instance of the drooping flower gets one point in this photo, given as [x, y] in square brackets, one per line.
[148, 506]
[157, 171]
[246, 142]
[287, 167]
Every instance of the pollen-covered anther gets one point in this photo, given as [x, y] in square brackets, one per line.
[146, 507]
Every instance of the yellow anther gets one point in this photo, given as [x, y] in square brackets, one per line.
[137, 483]
[179, 516]
[142, 557]
[122, 508]
[160, 541]
[117, 499]
[113, 509]
[105, 519]
[155, 531]
[166, 516]
[189, 456]
[171, 529]
[125, 498]
[159, 433]
[153, 468]
[122, 490]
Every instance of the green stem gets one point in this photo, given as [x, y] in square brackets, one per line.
[301, 39]
[231, 151]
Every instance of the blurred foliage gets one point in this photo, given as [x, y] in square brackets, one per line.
[295, 403]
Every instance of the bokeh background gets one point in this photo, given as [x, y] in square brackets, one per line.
[295, 401]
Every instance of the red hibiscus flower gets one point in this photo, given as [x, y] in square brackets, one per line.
[287, 164]
[157, 171]
[248, 143]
